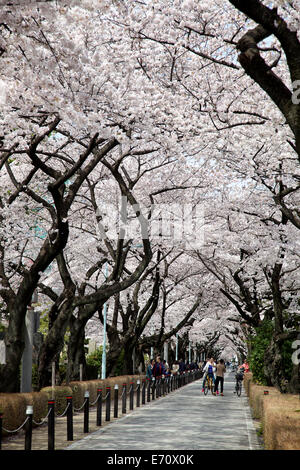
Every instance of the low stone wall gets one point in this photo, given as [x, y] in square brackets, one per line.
[279, 414]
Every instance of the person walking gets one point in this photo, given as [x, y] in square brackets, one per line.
[220, 370]
[149, 369]
[182, 366]
[208, 370]
[175, 368]
[158, 369]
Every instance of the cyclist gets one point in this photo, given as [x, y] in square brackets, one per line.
[208, 371]
[245, 366]
[239, 376]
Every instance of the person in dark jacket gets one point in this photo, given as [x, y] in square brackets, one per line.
[182, 366]
[149, 369]
[158, 369]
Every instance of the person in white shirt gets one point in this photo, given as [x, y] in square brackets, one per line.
[208, 370]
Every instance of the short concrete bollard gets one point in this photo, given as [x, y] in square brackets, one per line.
[131, 396]
[70, 419]
[107, 415]
[86, 411]
[124, 392]
[99, 407]
[153, 388]
[1, 421]
[138, 394]
[28, 428]
[116, 401]
[148, 389]
[51, 425]
[143, 392]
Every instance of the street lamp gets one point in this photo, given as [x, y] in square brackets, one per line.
[103, 370]
[152, 349]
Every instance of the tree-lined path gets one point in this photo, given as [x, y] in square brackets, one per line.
[184, 420]
[149, 203]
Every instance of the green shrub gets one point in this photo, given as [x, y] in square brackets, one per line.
[258, 345]
[94, 363]
[259, 342]
[95, 358]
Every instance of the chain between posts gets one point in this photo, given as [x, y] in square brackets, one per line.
[18, 429]
[162, 386]
[43, 420]
[79, 409]
[63, 414]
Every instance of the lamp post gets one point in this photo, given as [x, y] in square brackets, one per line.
[103, 369]
[176, 354]
[152, 349]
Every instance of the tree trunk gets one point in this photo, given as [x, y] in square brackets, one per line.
[274, 368]
[294, 384]
[54, 342]
[76, 351]
[14, 343]
[128, 362]
[112, 359]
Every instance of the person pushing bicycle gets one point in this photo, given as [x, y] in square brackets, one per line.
[208, 371]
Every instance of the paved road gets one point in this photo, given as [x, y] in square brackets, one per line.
[183, 420]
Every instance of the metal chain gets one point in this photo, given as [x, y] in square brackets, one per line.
[43, 420]
[66, 409]
[79, 409]
[94, 403]
[18, 429]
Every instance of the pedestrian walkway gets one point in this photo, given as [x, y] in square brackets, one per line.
[183, 420]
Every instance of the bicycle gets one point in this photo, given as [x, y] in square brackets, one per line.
[208, 385]
[238, 383]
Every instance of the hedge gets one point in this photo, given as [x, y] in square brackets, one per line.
[13, 405]
[279, 414]
[79, 388]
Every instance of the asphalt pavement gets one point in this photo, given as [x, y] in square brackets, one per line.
[186, 419]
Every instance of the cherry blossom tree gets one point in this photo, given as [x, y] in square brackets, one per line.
[161, 82]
